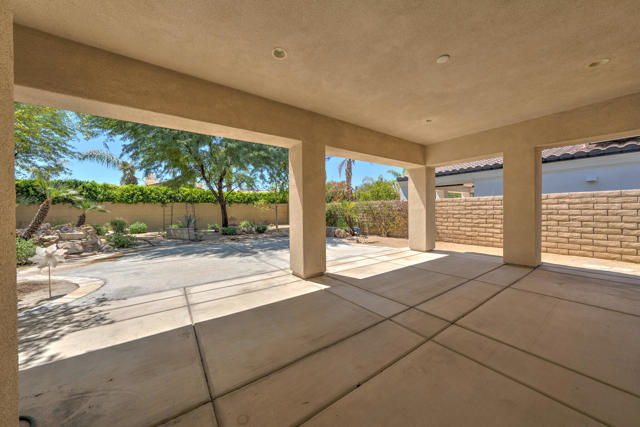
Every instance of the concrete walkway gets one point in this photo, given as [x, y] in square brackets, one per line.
[175, 265]
[390, 338]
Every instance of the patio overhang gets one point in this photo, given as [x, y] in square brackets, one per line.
[347, 88]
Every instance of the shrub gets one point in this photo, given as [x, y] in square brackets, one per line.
[138, 227]
[177, 225]
[100, 229]
[214, 227]
[246, 224]
[118, 225]
[25, 249]
[90, 190]
[229, 231]
[122, 240]
[261, 228]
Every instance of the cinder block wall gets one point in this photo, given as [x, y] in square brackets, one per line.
[603, 224]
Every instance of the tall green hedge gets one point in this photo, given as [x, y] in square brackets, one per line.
[129, 194]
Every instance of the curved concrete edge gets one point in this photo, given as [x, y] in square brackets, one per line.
[86, 285]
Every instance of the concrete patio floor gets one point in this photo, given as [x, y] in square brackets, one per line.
[394, 337]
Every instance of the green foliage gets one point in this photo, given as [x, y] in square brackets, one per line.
[261, 228]
[178, 225]
[138, 227]
[130, 194]
[118, 225]
[381, 217]
[42, 138]
[336, 191]
[214, 227]
[378, 190]
[246, 224]
[25, 249]
[86, 206]
[222, 164]
[229, 231]
[121, 240]
[100, 229]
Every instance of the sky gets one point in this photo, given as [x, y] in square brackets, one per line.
[91, 171]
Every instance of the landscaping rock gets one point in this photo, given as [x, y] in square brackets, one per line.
[74, 247]
[331, 231]
[340, 233]
[72, 235]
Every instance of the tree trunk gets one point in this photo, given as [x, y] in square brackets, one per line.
[81, 219]
[348, 173]
[276, 204]
[37, 221]
[223, 212]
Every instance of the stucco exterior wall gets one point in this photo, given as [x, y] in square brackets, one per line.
[154, 215]
[612, 172]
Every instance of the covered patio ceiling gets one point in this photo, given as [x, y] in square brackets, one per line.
[374, 63]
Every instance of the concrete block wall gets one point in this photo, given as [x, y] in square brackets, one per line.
[470, 221]
[603, 224]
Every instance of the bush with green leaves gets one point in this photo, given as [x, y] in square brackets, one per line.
[138, 227]
[25, 249]
[100, 229]
[261, 228]
[229, 231]
[214, 227]
[177, 225]
[121, 240]
[129, 194]
[118, 225]
[246, 224]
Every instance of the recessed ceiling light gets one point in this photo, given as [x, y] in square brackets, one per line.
[602, 61]
[279, 53]
[443, 59]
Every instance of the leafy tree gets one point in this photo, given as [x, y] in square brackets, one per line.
[86, 206]
[221, 164]
[377, 190]
[275, 172]
[42, 138]
[51, 190]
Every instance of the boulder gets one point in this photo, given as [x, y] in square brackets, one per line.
[340, 233]
[87, 229]
[72, 235]
[72, 247]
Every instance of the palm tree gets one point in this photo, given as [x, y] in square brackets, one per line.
[347, 165]
[86, 206]
[110, 160]
[51, 191]
[397, 174]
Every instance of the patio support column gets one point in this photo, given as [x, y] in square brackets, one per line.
[307, 209]
[422, 208]
[522, 191]
[8, 313]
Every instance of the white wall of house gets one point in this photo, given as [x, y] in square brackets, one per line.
[612, 172]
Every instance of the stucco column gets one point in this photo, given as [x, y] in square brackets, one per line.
[522, 191]
[307, 209]
[8, 299]
[422, 208]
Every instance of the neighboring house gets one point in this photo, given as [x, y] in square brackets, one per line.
[595, 166]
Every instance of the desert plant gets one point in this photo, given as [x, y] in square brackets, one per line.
[246, 224]
[214, 227]
[138, 227]
[261, 228]
[229, 231]
[100, 229]
[119, 240]
[50, 190]
[177, 225]
[86, 206]
[25, 249]
[118, 225]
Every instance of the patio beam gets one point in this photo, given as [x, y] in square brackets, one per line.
[307, 210]
[8, 298]
[422, 208]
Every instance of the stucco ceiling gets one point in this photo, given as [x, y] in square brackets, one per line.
[372, 62]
